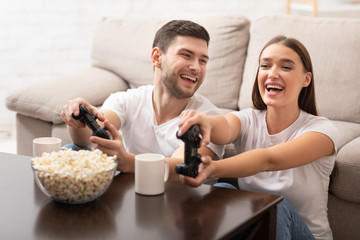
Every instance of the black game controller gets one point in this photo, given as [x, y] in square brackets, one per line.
[90, 121]
[192, 139]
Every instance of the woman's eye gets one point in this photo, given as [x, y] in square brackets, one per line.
[287, 68]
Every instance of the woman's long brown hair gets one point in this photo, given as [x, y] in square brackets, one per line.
[306, 99]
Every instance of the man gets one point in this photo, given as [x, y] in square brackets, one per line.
[147, 117]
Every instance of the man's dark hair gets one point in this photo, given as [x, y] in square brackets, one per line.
[166, 34]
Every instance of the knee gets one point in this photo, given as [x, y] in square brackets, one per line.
[285, 209]
[224, 185]
[75, 147]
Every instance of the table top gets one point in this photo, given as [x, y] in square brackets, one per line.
[181, 212]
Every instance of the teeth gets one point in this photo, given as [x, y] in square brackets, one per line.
[274, 86]
[188, 77]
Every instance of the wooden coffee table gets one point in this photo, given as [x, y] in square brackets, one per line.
[181, 212]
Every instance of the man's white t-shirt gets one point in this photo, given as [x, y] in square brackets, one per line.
[139, 129]
[305, 187]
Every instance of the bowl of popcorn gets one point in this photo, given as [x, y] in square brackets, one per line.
[74, 176]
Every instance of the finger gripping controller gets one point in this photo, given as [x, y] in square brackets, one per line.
[192, 139]
[90, 120]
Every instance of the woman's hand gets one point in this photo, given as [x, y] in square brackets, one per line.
[116, 147]
[190, 117]
[203, 174]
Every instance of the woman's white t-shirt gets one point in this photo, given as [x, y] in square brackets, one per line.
[305, 187]
[139, 129]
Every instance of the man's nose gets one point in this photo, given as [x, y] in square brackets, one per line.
[195, 65]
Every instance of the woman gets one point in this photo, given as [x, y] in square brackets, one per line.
[283, 147]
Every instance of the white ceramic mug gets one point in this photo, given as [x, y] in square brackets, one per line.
[151, 173]
[45, 144]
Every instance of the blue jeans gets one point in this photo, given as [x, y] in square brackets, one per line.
[289, 224]
[76, 147]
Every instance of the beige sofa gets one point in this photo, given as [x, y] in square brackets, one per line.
[121, 59]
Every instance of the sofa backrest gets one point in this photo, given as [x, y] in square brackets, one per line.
[334, 47]
[124, 47]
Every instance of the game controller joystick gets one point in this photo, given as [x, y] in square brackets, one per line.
[86, 117]
[192, 139]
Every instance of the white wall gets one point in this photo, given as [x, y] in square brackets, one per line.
[42, 39]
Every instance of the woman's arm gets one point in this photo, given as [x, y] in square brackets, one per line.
[225, 129]
[305, 149]
[218, 129]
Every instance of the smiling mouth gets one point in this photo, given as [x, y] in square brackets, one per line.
[274, 88]
[188, 78]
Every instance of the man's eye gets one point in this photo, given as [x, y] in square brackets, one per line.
[185, 55]
[203, 61]
[264, 65]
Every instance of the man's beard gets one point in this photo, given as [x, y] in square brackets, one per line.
[172, 87]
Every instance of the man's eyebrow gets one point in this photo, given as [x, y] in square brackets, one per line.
[191, 52]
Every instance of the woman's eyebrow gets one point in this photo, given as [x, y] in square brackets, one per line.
[287, 60]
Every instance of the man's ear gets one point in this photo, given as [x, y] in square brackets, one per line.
[307, 81]
[156, 55]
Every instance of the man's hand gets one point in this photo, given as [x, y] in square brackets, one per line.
[204, 172]
[116, 147]
[72, 106]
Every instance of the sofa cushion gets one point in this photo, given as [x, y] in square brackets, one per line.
[347, 132]
[345, 178]
[123, 46]
[45, 99]
[334, 47]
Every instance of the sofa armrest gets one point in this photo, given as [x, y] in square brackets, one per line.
[45, 99]
[345, 178]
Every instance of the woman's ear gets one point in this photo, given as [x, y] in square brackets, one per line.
[307, 81]
[156, 57]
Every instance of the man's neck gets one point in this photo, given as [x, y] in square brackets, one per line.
[166, 107]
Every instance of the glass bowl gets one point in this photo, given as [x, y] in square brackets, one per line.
[70, 177]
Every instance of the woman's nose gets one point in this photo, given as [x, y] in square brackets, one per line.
[273, 73]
